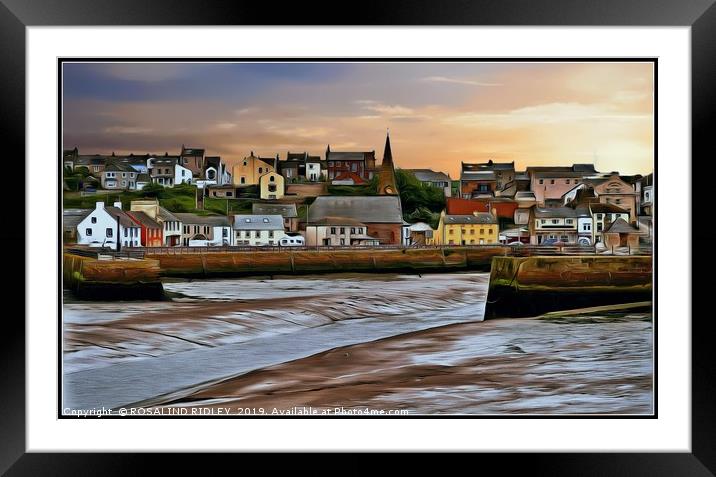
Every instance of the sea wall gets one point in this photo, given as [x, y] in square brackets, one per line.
[325, 261]
[528, 286]
[90, 278]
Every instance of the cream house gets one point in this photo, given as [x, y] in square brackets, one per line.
[272, 186]
[251, 168]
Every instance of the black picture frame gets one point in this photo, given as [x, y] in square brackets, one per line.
[16, 15]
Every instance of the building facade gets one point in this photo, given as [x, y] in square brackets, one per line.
[258, 230]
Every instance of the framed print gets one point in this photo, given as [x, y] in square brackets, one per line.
[458, 241]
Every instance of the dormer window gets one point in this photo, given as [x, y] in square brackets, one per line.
[266, 220]
[248, 221]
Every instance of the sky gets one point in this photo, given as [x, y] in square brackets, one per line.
[438, 114]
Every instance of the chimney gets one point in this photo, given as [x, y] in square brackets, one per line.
[99, 205]
[118, 205]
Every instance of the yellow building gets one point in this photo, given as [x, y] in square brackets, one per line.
[480, 228]
[250, 168]
[272, 186]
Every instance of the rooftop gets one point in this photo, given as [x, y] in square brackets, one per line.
[554, 212]
[368, 209]
[621, 226]
[476, 218]
[144, 220]
[195, 219]
[429, 175]
[284, 210]
[258, 222]
[599, 208]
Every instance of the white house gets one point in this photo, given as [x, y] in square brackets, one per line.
[258, 230]
[314, 169]
[205, 230]
[337, 232]
[105, 226]
[167, 172]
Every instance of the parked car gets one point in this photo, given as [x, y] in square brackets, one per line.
[550, 241]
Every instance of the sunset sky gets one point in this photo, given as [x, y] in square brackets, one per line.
[438, 113]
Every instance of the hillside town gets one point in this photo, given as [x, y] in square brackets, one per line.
[350, 199]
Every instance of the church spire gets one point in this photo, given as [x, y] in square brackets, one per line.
[387, 153]
[387, 185]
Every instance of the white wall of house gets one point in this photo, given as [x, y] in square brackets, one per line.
[313, 171]
[334, 235]
[585, 231]
[182, 175]
[221, 236]
[99, 229]
[258, 237]
[172, 229]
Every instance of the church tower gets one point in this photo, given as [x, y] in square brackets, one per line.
[387, 184]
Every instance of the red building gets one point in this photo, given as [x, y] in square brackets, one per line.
[350, 167]
[152, 232]
[498, 206]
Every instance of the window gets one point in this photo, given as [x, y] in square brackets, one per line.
[360, 230]
[472, 231]
[451, 231]
[126, 232]
[570, 221]
[599, 216]
[354, 167]
[94, 220]
[554, 221]
[124, 174]
[343, 241]
[270, 234]
[543, 221]
[564, 238]
[567, 181]
[541, 181]
[272, 179]
[489, 231]
[108, 232]
[482, 231]
[343, 230]
[353, 230]
[88, 232]
[333, 230]
[551, 181]
[261, 170]
[244, 163]
[243, 180]
[229, 194]
[257, 234]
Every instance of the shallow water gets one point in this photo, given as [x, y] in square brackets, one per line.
[294, 333]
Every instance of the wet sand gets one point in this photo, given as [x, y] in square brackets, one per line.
[510, 366]
[313, 342]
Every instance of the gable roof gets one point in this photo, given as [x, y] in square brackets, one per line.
[195, 219]
[124, 219]
[258, 222]
[600, 208]
[477, 218]
[621, 226]
[554, 212]
[144, 220]
[167, 216]
[367, 209]
[429, 175]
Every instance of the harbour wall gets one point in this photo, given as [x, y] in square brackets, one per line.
[325, 261]
[529, 286]
[91, 278]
